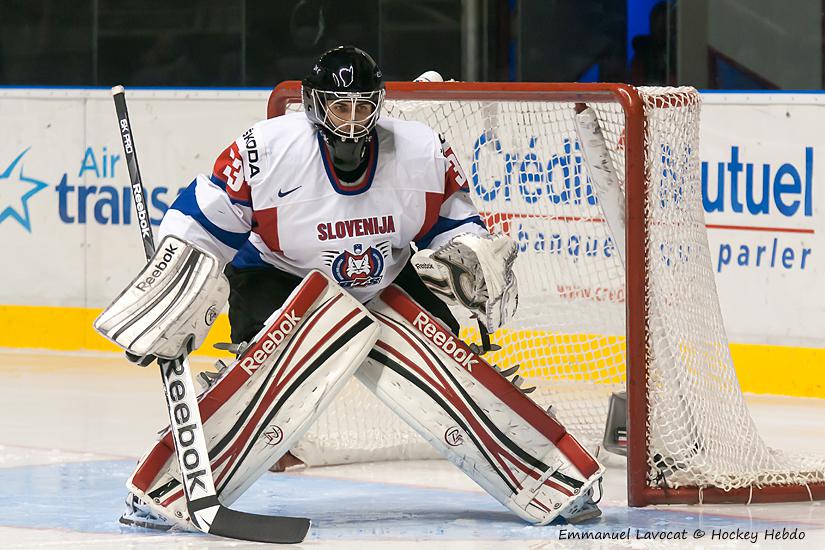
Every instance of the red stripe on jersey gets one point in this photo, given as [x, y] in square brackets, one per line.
[454, 178]
[229, 169]
[432, 209]
[265, 224]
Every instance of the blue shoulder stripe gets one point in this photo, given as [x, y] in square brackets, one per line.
[187, 203]
[248, 256]
[442, 226]
[222, 184]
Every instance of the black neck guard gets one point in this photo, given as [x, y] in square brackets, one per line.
[349, 157]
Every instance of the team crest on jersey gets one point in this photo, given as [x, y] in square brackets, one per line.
[358, 267]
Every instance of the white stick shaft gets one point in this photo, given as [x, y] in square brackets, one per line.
[190, 443]
[602, 175]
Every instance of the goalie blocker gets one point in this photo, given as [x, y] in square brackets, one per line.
[168, 309]
[472, 415]
[268, 397]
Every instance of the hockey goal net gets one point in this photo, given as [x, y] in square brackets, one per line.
[590, 324]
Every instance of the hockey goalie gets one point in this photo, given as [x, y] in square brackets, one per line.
[307, 226]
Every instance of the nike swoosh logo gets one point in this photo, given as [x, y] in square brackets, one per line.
[285, 193]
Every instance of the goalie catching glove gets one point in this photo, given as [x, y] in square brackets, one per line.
[475, 271]
[168, 309]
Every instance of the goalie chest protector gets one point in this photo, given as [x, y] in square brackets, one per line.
[305, 218]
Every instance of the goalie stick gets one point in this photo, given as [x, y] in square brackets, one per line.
[205, 509]
[611, 199]
[602, 174]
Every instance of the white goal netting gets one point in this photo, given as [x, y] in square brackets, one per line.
[528, 178]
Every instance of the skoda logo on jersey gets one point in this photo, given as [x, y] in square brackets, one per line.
[359, 267]
[15, 191]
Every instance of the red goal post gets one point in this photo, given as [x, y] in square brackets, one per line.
[652, 137]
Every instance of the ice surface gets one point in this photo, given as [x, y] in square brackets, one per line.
[73, 425]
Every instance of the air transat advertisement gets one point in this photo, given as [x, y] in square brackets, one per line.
[68, 226]
[66, 212]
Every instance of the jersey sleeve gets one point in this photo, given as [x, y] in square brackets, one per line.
[452, 212]
[215, 212]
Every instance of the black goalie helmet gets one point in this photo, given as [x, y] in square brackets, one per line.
[343, 93]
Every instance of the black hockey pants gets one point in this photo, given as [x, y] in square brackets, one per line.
[254, 293]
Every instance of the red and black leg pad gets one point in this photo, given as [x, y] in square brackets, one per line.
[267, 399]
[473, 415]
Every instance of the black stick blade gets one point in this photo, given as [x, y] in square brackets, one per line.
[258, 528]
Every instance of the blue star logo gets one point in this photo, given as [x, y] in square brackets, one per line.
[13, 186]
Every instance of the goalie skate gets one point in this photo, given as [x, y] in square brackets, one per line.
[139, 514]
[583, 509]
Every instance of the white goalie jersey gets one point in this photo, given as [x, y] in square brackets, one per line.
[274, 199]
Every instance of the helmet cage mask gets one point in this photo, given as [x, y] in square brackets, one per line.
[354, 128]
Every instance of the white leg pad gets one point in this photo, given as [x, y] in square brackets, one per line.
[268, 398]
[472, 415]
